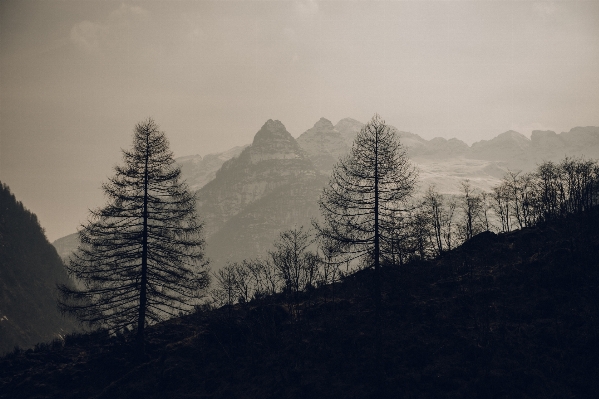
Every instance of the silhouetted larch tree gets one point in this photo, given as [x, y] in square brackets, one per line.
[140, 258]
[366, 192]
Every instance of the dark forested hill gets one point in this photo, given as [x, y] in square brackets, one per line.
[502, 316]
[29, 271]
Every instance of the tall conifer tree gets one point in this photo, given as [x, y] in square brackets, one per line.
[140, 258]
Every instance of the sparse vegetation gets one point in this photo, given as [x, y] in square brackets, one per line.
[455, 310]
[508, 315]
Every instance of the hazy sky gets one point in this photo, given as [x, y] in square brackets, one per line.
[76, 76]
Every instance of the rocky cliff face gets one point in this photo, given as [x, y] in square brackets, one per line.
[324, 144]
[272, 185]
[274, 142]
[582, 139]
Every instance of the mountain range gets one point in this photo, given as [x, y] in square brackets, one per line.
[248, 194]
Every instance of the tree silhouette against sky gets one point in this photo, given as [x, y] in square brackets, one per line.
[367, 190]
[140, 258]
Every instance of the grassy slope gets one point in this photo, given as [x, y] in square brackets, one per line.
[513, 315]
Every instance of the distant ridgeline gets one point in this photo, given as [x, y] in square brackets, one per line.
[29, 271]
[248, 194]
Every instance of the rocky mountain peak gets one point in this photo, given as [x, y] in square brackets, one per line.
[324, 144]
[273, 141]
[348, 128]
[272, 131]
[320, 128]
[323, 124]
[512, 135]
[544, 138]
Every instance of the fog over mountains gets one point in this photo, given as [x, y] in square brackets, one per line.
[250, 193]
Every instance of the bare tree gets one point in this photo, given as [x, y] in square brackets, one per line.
[330, 250]
[471, 207]
[448, 225]
[295, 264]
[225, 290]
[433, 202]
[140, 258]
[243, 282]
[421, 232]
[501, 206]
[519, 188]
[366, 192]
[485, 207]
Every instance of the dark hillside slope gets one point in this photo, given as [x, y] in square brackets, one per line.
[503, 316]
[30, 268]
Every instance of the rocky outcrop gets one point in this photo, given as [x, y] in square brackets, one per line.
[273, 159]
[582, 140]
[324, 145]
[273, 142]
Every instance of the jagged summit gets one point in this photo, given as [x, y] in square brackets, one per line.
[546, 139]
[324, 144]
[273, 141]
[322, 127]
[271, 185]
[324, 123]
[271, 130]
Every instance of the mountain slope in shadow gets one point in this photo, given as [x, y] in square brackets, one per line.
[30, 268]
[510, 315]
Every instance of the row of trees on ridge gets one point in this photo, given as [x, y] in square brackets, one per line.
[141, 258]
[422, 227]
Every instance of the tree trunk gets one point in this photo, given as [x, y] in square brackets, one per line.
[141, 321]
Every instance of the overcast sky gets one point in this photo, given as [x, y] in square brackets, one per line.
[75, 78]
